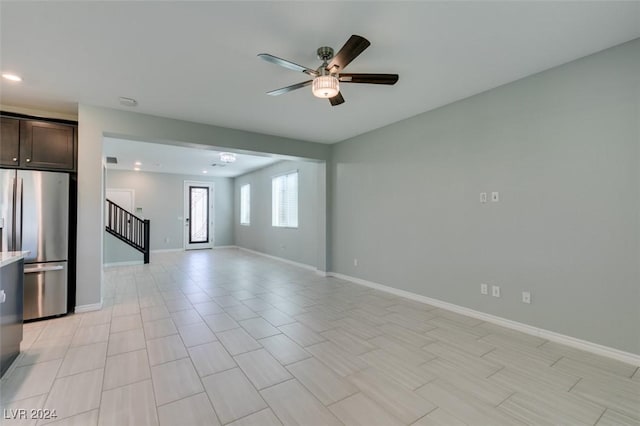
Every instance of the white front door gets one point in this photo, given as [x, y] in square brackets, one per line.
[198, 215]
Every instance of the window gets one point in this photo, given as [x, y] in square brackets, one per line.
[245, 204]
[284, 200]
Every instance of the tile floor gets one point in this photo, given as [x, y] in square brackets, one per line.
[227, 337]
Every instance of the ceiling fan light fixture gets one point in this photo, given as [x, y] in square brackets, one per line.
[325, 86]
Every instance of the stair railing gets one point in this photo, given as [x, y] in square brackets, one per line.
[128, 228]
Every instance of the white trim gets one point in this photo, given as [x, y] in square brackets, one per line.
[186, 245]
[166, 250]
[127, 263]
[226, 247]
[88, 308]
[281, 259]
[584, 345]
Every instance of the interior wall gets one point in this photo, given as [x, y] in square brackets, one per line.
[561, 148]
[160, 196]
[96, 122]
[295, 244]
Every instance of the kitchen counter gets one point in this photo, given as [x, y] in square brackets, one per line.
[8, 257]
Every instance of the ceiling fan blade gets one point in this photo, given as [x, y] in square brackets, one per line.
[337, 99]
[287, 64]
[369, 78]
[289, 88]
[351, 49]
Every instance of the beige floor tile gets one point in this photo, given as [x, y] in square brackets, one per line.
[196, 334]
[533, 379]
[89, 418]
[16, 413]
[175, 380]
[257, 305]
[405, 335]
[360, 410]
[154, 313]
[28, 381]
[240, 313]
[347, 341]
[129, 308]
[102, 316]
[178, 305]
[211, 358]
[192, 411]
[208, 308]
[237, 341]
[133, 404]
[484, 389]
[621, 395]
[395, 369]
[301, 334]
[410, 355]
[159, 328]
[399, 401]
[610, 365]
[91, 334]
[463, 360]
[261, 418]
[464, 406]
[126, 322]
[294, 405]
[551, 408]
[166, 349]
[76, 394]
[261, 368]
[284, 349]
[321, 381]
[276, 317]
[232, 395]
[126, 368]
[341, 362]
[220, 322]
[439, 417]
[186, 317]
[419, 325]
[360, 327]
[83, 358]
[126, 341]
[613, 418]
[259, 328]
[465, 341]
[44, 350]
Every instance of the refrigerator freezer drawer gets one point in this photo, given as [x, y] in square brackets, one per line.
[45, 289]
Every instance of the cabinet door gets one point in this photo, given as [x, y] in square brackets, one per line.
[9, 142]
[46, 145]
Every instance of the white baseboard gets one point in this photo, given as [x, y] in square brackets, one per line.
[88, 308]
[166, 250]
[584, 345]
[225, 247]
[282, 259]
[127, 263]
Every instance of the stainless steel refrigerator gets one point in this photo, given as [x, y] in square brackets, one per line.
[34, 216]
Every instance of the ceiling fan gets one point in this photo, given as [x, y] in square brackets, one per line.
[327, 78]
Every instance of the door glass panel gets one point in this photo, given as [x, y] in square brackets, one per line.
[198, 214]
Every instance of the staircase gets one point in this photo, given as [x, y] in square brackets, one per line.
[128, 228]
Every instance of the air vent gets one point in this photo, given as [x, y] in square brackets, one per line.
[112, 160]
[218, 165]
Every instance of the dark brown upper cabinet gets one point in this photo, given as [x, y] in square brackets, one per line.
[45, 145]
[9, 142]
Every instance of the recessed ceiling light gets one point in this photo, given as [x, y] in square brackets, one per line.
[137, 169]
[137, 163]
[227, 157]
[12, 77]
[204, 171]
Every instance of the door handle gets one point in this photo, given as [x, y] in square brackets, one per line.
[43, 269]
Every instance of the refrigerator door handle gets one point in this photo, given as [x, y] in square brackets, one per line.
[43, 269]
[17, 242]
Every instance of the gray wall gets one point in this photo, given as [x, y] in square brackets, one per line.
[299, 245]
[160, 195]
[561, 147]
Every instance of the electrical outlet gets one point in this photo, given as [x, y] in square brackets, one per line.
[355, 262]
[495, 196]
[483, 197]
[526, 297]
[495, 291]
[484, 289]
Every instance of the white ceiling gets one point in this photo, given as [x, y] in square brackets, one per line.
[197, 60]
[162, 158]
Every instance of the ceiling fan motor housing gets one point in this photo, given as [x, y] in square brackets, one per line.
[325, 53]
